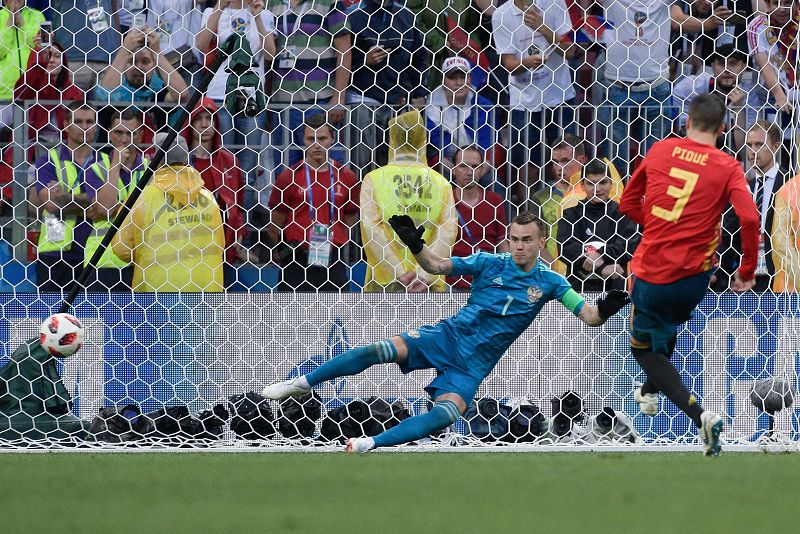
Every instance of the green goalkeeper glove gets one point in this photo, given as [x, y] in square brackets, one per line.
[614, 301]
[409, 233]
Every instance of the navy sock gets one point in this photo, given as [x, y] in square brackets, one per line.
[353, 362]
[443, 414]
[649, 386]
[667, 379]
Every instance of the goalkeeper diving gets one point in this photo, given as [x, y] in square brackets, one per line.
[508, 291]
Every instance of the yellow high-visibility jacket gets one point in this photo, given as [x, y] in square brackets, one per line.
[405, 186]
[174, 235]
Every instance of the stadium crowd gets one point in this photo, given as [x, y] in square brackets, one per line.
[466, 111]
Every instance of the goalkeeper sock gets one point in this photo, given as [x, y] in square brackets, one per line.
[353, 362]
[664, 375]
[443, 414]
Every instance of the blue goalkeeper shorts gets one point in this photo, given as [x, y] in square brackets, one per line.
[659, 309]
[433, 347]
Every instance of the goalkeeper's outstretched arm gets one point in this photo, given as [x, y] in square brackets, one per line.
[432, 262]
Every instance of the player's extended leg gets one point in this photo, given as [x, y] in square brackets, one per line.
[667, 379]
[348, 363]
[446, 410]
[647, 395]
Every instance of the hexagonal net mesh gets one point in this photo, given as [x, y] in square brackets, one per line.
[250, 227]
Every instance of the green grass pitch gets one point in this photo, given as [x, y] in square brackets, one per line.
[399, 492]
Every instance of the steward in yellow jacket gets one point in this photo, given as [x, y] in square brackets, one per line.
[174, 234]
[786, 237]
[406, 186]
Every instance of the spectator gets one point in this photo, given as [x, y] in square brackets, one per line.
[765, 177]
[48, 78]
[388, 63]
[114, 184]
[313, 65]
[240, 134]
[567, 158]
[772, 37]
[405, 186]
[141, 73]
[174, 235]
[455, 27]
[63, 196]
[786, 237]
[314, 207]
[19, 26]
[637, 71]
[725, 80]
[90, 41]
[221, 175]
[534, 45]
[595, 240]
[481, 214]
[178, 22]
[457, 116]
[712, 23]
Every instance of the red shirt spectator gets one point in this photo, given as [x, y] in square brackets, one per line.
[481, 214]
[48, 78]
[289, 195]
[220, 172]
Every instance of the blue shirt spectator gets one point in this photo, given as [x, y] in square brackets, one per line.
[457, 116]
[88, 48]
[389, 60]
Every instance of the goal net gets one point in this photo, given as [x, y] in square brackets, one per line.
[259, 249]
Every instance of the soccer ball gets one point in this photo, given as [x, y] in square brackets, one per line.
[61, 335]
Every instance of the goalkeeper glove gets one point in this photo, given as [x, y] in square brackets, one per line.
[409, 233]
[614, 301]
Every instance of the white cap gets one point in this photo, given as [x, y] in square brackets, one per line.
[177, 153]
[455, 62]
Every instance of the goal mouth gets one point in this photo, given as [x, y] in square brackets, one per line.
[200, 351]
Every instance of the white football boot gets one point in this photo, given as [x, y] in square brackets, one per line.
[710, 428]
[285, 389]
[359, 445]
[648, 402]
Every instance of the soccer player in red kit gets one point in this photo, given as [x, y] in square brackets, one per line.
[678, 194]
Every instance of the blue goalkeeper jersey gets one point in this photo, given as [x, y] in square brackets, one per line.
[504, 302]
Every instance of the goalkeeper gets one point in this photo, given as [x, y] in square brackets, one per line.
[508, 292]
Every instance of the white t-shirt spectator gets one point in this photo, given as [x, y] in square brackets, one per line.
[178, 22]
[640, 51]
[240, 20]
[762, 39]
[549, 85]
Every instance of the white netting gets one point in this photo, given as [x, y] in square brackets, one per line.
[546, 91]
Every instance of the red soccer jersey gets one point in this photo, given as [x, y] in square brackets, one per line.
[290, 195]
[678, 193]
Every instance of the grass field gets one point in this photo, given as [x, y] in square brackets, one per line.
[402, 492]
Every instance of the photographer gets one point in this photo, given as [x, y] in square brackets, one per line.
[140, 73]
[240, 134]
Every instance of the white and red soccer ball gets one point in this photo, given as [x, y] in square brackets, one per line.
[61, 335]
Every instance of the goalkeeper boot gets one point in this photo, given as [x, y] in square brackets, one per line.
[710, 429]
[294, 387]
[648, 402]
[359, 445]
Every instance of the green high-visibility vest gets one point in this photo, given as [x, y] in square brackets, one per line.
[109, 260]
[67, 175]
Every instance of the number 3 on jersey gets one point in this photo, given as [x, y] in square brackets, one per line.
[681, 194]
